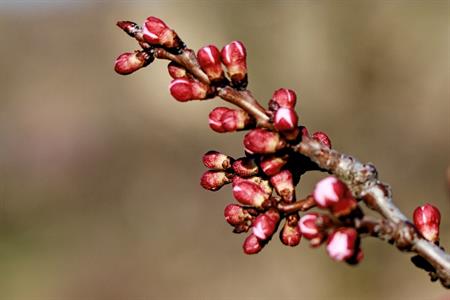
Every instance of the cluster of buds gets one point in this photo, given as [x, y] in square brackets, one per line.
[264, 180]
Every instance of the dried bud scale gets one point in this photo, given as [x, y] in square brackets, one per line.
[427, 219]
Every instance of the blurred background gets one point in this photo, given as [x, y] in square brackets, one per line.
[99, 173]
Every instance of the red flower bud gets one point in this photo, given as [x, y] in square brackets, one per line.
[322, 137]
[342, 243]
[290, 234]
[215, 118]
[209, 59]
[234, 58]
[285, 119]
[265, 225]
[214, 180]
[252, 245]
[284, 185]
[272, 165]
[235, 214]
[263, 141]
[427, 219]
[330, 191]
[305, 131]
[156, 32]
[245, 167]
[308, 225]
[216, 160]
[130, 62]
[250, 193]
[184, 89]
[176, 71]
[263, 184]
[235, 119]
[283, 98]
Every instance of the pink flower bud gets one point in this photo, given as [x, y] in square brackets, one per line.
[245, 167]
[216, 160]
[272, 165]
[235, 119]
[263, 141]
[427, 219]
[130, 62]
[342, 243]
[156, 32]
[236, 214]
[183, 89]
[250, 193]
[234, 58]
[284, 185]
[265, 225]
[283, 98]
[214, 180]
[322, 137]
[176, 71]
[308, 225]
[329, 191]
[209, 59]
[263, 184]
[252, 245]
[285, 119]
[215, 118]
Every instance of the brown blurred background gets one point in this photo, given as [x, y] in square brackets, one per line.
[99, 173]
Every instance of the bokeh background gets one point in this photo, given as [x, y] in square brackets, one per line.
[99, 173]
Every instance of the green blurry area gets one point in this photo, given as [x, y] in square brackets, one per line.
[99, 173]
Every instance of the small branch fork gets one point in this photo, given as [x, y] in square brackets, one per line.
[362, 179]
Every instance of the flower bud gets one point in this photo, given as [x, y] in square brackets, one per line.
[322, 137]
[285, 119]
[308, 225]
[330, 191]
[290, 235]
[234, 58]
[236, 214]
[176, 71]
[216, 160]
[130, 62]
[156, 32]
[272, 165]
[263, 141]
[342, 243]
[215, 119]
[209, 60]
[250, 193]
[284, 185]
[245, 167]
[283, 98]
[427, 219]
[214, 180]
[252, 245]
[235, 119]
[184, 89]
[305, 131]
[265, 225]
